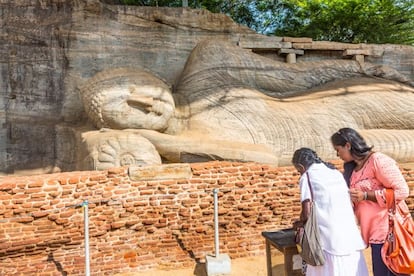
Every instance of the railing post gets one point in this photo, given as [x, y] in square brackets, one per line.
[216, 224]
[86, 230]
[219, 264]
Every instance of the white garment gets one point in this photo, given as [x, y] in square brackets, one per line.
[346, 265]
[340, 235]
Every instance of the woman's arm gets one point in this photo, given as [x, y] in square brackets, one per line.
[304, 214]
[390, 176]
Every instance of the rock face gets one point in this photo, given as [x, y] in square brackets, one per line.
[50, 49]
[33, 67]
[220, 101]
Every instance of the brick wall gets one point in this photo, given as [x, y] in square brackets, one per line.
[142, 218]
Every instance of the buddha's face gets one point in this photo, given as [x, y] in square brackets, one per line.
[133, 100]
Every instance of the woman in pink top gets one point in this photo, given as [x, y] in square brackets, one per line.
[368, 174]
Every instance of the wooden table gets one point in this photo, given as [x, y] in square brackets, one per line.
[284, 241]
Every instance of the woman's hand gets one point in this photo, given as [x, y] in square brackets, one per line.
[297, 224]
[356, 195]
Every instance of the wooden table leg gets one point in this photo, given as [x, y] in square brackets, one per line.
[268, 259]
[288, 263]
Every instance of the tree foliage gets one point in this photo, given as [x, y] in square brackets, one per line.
[352, 21]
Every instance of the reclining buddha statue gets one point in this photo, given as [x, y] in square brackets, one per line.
[232, 104]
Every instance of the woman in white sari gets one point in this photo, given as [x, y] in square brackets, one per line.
[341, 239]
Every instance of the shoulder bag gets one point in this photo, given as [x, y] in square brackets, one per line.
[308, 239]
[398, 249]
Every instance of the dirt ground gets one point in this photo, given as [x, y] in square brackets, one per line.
[249, 266]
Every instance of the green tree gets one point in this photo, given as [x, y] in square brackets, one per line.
[353, 21]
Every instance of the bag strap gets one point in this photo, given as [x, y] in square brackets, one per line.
[390, 199]
[310, 186]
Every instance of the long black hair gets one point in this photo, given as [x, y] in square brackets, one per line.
[359, 148]
[306, 157]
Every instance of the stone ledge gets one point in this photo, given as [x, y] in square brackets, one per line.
[297, 39]
[290, 51]
[265, 43]
[325, 45]
[157, 172]
[353, 52]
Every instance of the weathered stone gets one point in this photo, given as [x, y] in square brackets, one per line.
[290, 54]
[297, 39]
[124, 98]
[249, 42]
[54, 53]
[325, 45]
[50, 50]
[290, 51]
[359, 58]
[168, 171]
[353, 52]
